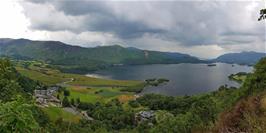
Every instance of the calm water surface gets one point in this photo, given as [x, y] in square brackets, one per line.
[185, 79]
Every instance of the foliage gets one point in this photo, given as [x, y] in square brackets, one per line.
[113, 115]
[66, 93]
[12, 83]
[65, 102]
[133, 103]
[17, 116]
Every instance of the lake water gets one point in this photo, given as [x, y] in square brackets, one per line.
[185, 79]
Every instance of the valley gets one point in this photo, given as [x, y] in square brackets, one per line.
[84, 90]
[148, 66]
[106, 101]
[138, 93]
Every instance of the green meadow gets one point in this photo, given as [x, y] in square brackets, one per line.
[96, 94]
[50, 76]
[55, 113]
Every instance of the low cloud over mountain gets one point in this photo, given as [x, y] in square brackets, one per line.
[188, 26]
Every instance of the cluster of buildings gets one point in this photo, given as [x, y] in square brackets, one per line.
[45, 96]
[145, 116]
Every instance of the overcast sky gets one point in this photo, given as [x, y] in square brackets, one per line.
[201, 28]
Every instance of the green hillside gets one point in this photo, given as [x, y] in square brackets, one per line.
[79, 59]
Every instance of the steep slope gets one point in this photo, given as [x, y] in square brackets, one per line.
[248, 58]
[248, 114]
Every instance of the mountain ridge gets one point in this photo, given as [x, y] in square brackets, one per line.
[70, 58]
[76, 57]
[245, 57]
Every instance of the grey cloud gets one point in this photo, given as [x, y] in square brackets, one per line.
[188, 23]
[77, 8]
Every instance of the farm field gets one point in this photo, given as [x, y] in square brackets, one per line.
[55, 113]
[86, 89]
[50, 76]
[100, 94]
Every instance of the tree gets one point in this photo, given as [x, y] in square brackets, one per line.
[8, 89]
[262, 14]
[133, 103]
[65, 102]
[9, 86]
[78, 101]
[66, 93]
[16, 116]
[72, 102]
[58, 96]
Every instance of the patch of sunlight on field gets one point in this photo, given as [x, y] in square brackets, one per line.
[93, 95]
[44, 78]
[51, 76]
[109, 93]
[125, 98]
[54, 113]
[83, 94]
[89, 81]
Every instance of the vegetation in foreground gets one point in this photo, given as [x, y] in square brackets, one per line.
[228, 109]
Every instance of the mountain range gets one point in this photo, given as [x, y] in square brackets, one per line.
[68, 57]
[80, 59]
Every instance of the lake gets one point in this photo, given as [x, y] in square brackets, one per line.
[185, 79]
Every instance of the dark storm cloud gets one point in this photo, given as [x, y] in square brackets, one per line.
[119, 26]
[188, 23]
[83, 7]
[95, 16]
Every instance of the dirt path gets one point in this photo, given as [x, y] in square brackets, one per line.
[64, 84]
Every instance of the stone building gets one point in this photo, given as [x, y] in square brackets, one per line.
[43, 97]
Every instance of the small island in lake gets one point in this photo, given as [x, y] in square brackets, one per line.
[238, 77]
[156, 82]
[211, 65]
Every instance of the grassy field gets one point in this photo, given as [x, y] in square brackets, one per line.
[48, 79]
[87, 89]
[88, 81]
[54, 113]
[51, 76]
[240, 78]
[100, 94]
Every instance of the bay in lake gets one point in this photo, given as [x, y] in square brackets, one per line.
[185, 79]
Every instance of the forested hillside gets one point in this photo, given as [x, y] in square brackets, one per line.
[18, 112]
[75, 58]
